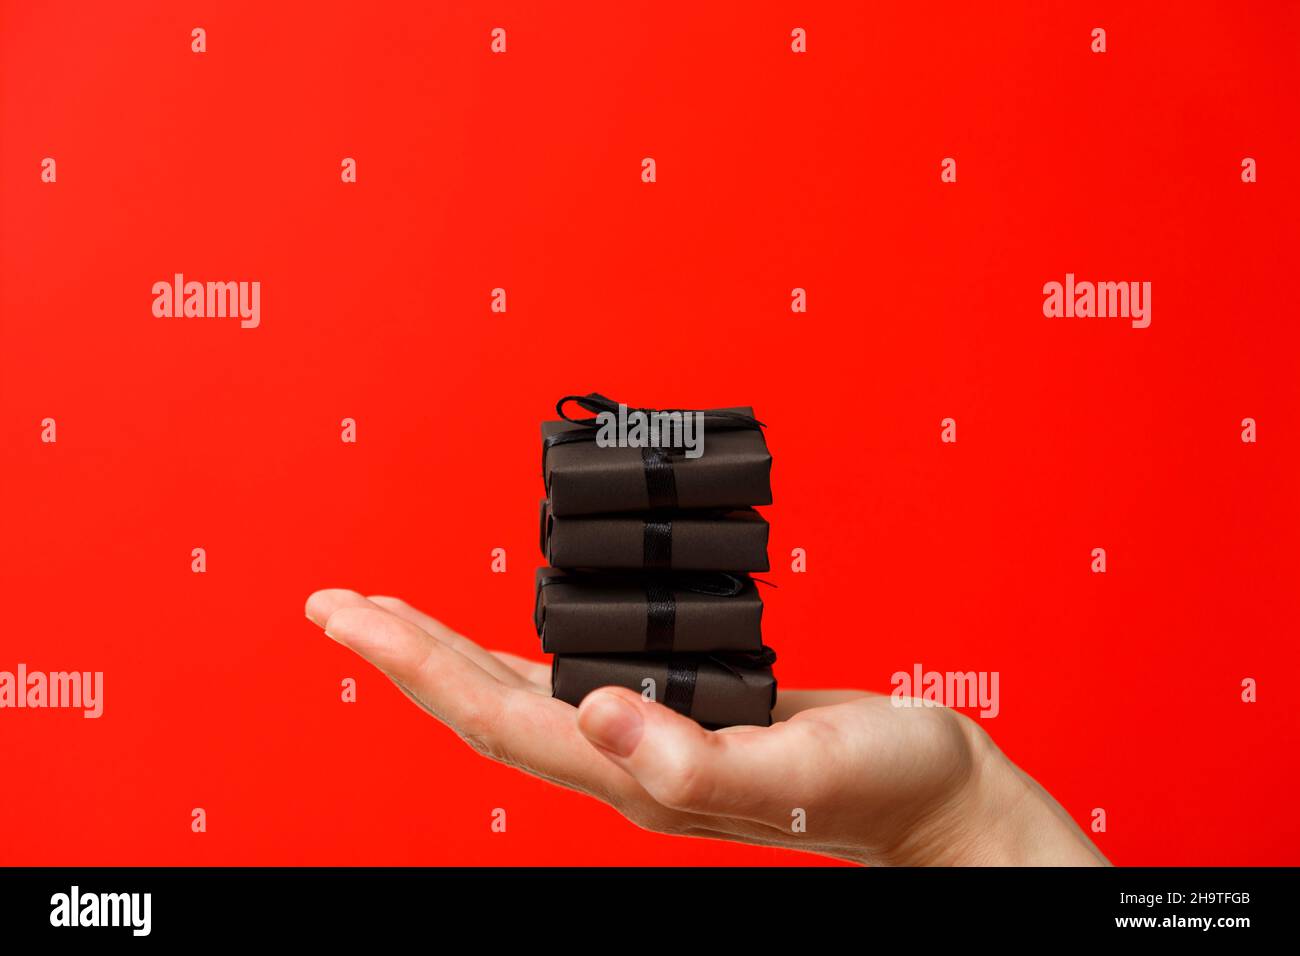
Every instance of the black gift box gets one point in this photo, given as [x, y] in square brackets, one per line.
[732, 471]
[579, 612]
[716, 690]
[677, 541]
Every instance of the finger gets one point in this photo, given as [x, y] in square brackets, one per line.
[485, 659]
[453, 687]
[532, 732]
[321, 604]
[532, 671]
[756, 775]
[416, 616]
[527, 730]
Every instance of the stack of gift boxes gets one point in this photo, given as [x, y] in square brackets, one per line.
[649, 550]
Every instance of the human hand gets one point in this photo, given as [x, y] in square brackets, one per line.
[876, 783]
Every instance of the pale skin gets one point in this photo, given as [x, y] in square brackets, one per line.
[876, 783]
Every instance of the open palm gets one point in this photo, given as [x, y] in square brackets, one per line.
[842, 773]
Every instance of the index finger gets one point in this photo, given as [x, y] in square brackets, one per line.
[516, 726]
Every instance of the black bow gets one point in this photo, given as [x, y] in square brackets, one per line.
[596, 403]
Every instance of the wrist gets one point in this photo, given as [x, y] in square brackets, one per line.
[998, 816]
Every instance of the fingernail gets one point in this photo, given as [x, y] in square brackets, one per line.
[321, 604]
[331, 634]
[612, 723]
[315, 610]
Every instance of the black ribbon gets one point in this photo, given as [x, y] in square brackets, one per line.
[660, 479]
[683, 669]
[657, 545]
[661, 604]
[679, 695]
[661, 601]
[661, 616]
[661, 483]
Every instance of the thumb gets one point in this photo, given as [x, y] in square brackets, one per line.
[685, 767]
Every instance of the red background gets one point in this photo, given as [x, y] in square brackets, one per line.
[775, 170]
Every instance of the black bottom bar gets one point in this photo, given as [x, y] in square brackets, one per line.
[566, 906]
